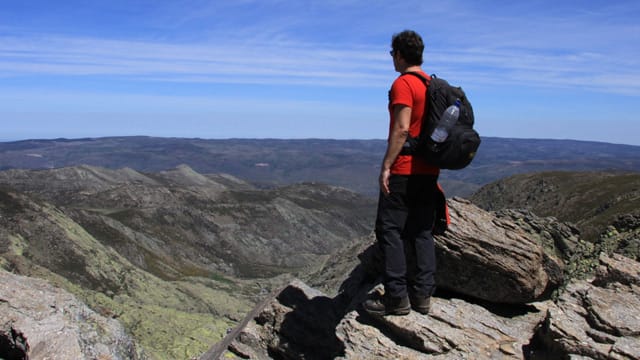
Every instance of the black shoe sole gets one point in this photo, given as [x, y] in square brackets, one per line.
[398, 312]
[421, 311]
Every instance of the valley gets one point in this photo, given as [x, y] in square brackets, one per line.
[178, 257]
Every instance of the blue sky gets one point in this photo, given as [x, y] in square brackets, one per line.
[300, 69]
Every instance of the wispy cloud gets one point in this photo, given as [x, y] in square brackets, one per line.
[515, 45]
[297, 64]
[276, 63]
[537, 68]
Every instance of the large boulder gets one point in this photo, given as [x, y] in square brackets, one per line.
[492, 258]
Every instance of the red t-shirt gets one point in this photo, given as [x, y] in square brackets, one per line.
[410, 91]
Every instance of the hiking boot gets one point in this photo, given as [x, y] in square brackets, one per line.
[421, 303]
[387, 305]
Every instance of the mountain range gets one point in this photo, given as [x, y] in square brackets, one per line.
[352, 164]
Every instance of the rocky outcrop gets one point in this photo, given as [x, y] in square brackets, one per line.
[598, 319]
[617, 269]
[561, 242]
[301, 323]
[586, 319]
[39, 321]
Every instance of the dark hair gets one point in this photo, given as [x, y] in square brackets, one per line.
[410, 46]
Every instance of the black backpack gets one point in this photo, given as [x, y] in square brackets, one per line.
[460, 147]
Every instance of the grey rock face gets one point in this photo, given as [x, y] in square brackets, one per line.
[617, 269]
[53, 324]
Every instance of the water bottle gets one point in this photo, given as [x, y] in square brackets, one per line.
[447, 120]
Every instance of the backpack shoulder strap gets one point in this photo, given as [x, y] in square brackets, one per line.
[425, 80]
[426, 127]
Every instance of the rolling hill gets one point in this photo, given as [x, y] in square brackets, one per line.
[590, 200]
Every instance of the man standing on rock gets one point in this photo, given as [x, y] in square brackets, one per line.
[407, 193]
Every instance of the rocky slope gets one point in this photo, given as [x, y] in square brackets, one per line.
[590, 200]
[176, 256]
[170, 319]
[178, 222]
[572, 318]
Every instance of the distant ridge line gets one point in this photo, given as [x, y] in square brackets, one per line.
[150, 137]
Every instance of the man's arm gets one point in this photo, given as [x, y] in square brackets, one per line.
[397, 138]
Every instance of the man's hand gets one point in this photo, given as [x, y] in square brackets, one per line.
[384, 181]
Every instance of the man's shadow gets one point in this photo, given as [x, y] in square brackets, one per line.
[309, 330]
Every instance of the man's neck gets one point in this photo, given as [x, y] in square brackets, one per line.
[412, 68]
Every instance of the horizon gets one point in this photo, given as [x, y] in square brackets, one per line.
[289, 139]
[272, 69]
